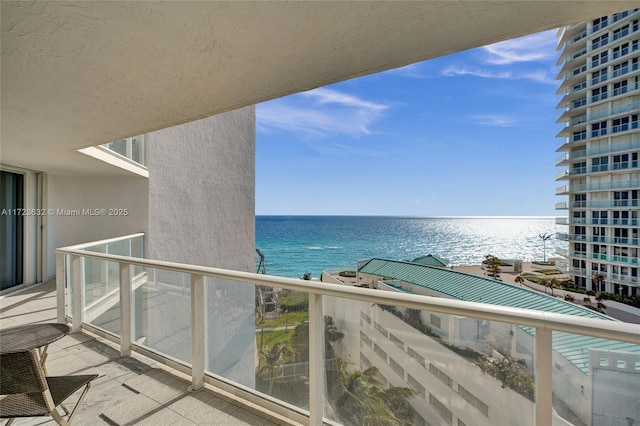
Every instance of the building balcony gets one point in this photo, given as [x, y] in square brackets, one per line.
[625, 260]
[597, 239]
[562, 205]
[601, 186]
[563, 190]
[119, 306]
[616, 147]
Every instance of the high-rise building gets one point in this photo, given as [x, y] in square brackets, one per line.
[600, 176]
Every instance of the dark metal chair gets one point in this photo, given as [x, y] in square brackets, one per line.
[27, 392]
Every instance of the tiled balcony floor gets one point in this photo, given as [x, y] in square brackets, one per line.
[130, 390]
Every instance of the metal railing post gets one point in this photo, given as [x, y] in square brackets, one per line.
[61, 277]
[197, 332]
[544, 382]
[316, 360]
[77, 295]
[125, 308]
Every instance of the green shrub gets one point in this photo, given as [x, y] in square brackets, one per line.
[548, 271]
[348, 274]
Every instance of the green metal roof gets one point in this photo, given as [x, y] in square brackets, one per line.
[431, 260]
[473, 288]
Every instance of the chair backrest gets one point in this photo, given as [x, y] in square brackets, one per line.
[21, 372]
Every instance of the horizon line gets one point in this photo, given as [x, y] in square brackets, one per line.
[413, 216]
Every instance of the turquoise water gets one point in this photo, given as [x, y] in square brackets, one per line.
[293, 245]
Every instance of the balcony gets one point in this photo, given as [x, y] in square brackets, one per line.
[600, 186]
[562, 205]
[131, 390]
[107, 295]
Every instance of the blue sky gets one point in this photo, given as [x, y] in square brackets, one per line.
[469, 134]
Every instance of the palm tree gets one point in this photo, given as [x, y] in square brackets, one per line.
[598, 280]
[493, 265]
[519, 280]
[364, 401]
[272, 358]
[552, 283]
[331, 335]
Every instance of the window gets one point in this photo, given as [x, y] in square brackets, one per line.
[599, 217]
[621, 198]
[621, 50]
[578, 136]
[601, 249]
[602, 58]
[621, 68]
[600, 41]
[619, 16]
[579, 103]
[579, 70]
[579, 86]
[620, 124]
[599, 129]
[598, 234]
[600, 23]
[580, 200]
[599, 76]
[620, 88]
[579, 168]
[621, 32]
[601, 163]
[620, 161]
[599, 93]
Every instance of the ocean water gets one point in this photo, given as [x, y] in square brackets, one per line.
[293, 245]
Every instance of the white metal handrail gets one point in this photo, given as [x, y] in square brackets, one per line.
[544, 322]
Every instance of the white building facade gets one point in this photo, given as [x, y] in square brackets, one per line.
[601, 174]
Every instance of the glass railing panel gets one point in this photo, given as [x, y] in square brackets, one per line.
[402, 365]
[101, 294]
[161, 306]
[275, 344]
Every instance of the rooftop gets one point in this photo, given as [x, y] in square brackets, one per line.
[472, 288]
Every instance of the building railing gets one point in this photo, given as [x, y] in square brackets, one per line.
[562, 236]
[604, 186]
[201, 282]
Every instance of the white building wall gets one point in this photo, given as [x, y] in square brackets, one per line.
[202, 212]
[91, 192]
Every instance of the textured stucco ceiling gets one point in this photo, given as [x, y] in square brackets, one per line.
[76, 74]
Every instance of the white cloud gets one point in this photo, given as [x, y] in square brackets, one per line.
[541, 76]
[536, 47]
[494, 120]
[319, 112]
[453, 70]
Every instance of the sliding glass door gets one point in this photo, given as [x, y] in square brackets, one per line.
[11, 229]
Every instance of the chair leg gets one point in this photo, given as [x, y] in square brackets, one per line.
[84, 393]
[58, 418]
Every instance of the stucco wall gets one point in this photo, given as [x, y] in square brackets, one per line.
[202, 212]
[92, 192]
